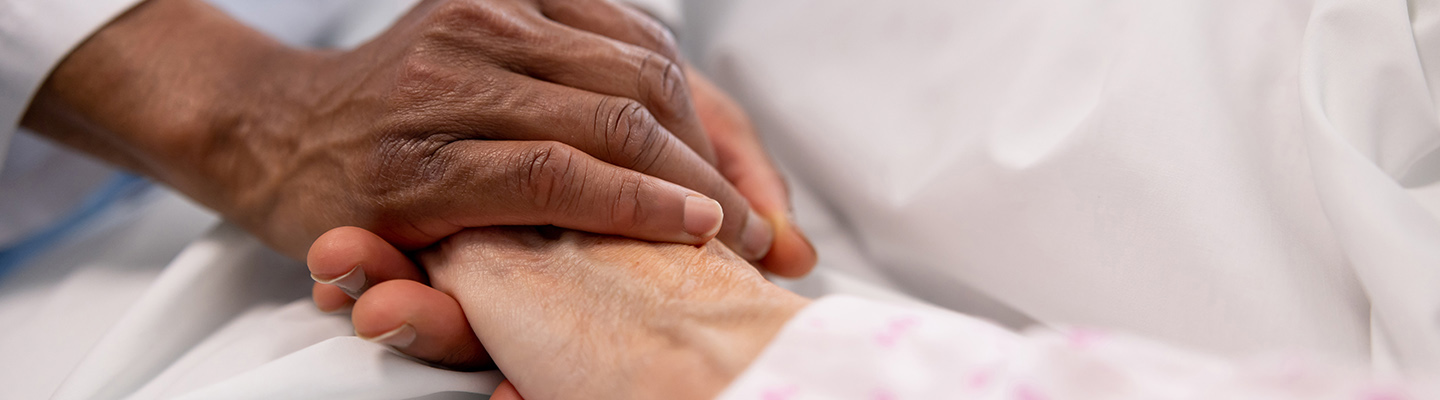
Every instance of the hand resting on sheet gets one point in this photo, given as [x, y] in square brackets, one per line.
[566, 314]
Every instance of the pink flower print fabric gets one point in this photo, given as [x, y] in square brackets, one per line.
[843, 347]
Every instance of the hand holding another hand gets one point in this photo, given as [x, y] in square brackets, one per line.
[465, 113]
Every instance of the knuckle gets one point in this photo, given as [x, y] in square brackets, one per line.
[664, 86]
[545, 172]
[398, 175]
[631, 133]
[487, 18]
[625, 210]
[396, 164]
[419, 80]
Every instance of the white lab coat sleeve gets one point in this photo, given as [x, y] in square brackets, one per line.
[848, 348]
[34, 36]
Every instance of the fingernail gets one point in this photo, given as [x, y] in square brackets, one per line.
[398, 338]
[758, 237]
[702, 216]
[352, 283]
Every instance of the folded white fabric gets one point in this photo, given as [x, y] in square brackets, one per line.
[1233, 176]
[1230, 176]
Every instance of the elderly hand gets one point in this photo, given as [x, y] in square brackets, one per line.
[465, 113]
[572, 315]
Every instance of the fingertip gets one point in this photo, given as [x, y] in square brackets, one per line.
[792, 255]
[387, 306]
[337, 251]
[354, 259]
[758, 237]
[506, 391]
[330, 299]
[420, 321]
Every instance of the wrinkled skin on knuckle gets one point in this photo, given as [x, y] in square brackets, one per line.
[627, 207]
[629, 129]
[545, 174]
[401, 176]
[665, 87]
[401, 159]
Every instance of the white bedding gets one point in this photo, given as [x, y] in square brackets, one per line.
[1231, 176]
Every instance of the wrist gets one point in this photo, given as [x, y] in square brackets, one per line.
[715, 342]
[212, 99]
[162, 91]
[249, 132]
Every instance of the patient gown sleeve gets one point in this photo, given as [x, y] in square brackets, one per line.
[848, 348]
[34, 36]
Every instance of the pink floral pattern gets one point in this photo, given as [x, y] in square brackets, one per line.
[780, 393]
[895, 330]
[846, 348]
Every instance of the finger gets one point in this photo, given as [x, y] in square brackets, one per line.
[614, 20]
[421, 322]
[550, 183]
[591, 62]
[622, 132]
[329, 298]
[744, 162]
[506, 391]
[353, 259]
[532, 44]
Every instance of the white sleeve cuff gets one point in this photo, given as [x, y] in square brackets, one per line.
[848, 348]
[34, 36]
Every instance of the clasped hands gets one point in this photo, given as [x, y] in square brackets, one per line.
[574, 114]
[568, 314]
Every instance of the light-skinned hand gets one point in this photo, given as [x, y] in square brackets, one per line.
[571, 315]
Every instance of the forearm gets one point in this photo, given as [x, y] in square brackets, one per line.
[167, 90]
